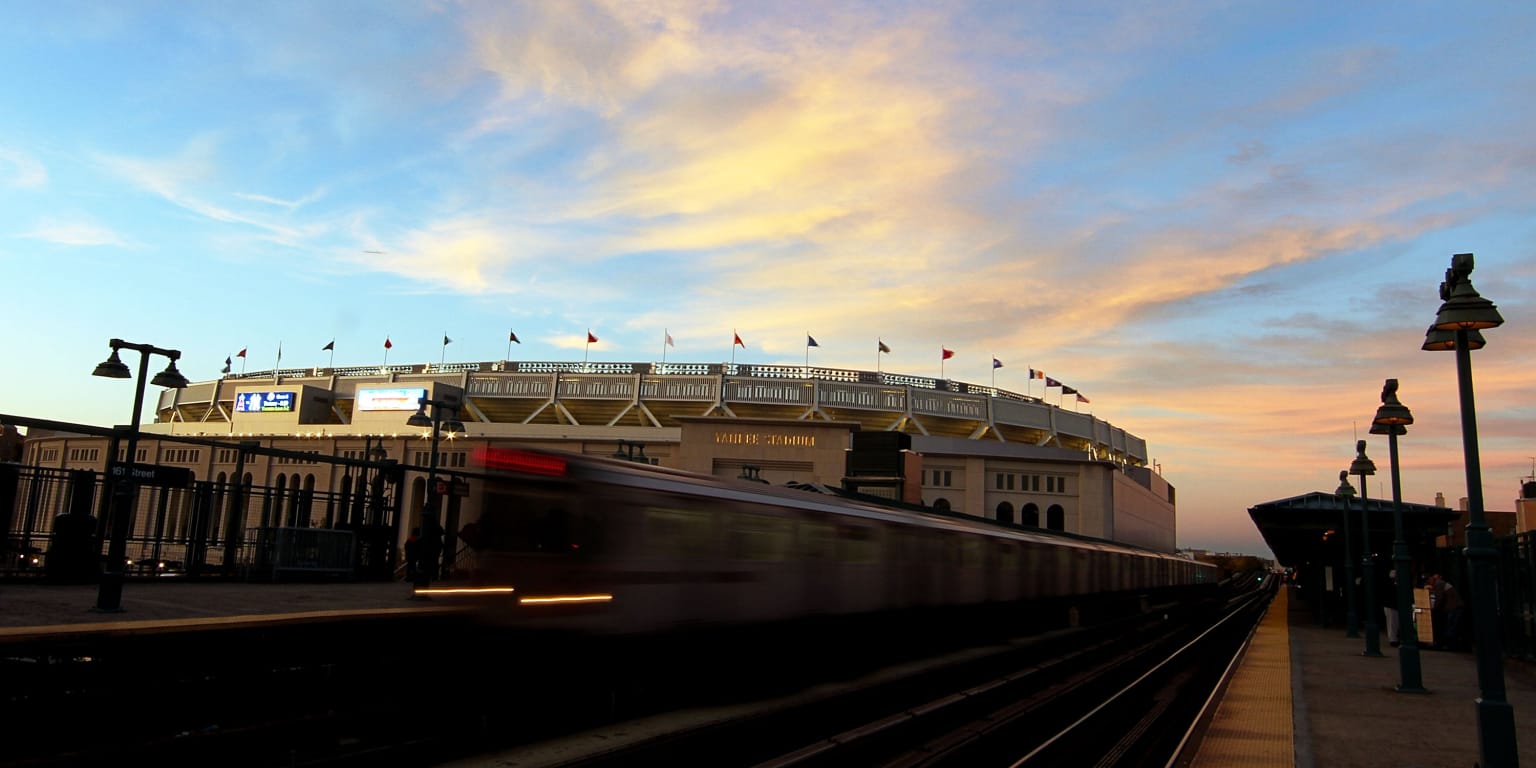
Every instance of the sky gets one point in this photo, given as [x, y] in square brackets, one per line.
[1224, 223]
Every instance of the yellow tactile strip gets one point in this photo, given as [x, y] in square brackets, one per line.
[1253, 724]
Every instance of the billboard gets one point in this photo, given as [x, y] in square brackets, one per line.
[264, 402]
[396, 399]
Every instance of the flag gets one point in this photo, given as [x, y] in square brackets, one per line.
[329, 346]
[447, 341]
[1034, 374]
[669, 338]
[996, 363]
[590, 338]
[810, 341]
[883, 347]
[228, 361]
[1081, 399]
[1065, 390]
[1050, 382]
[947, 353]
[512, 337]
[738, 342]
[241, 353]
[387, 345]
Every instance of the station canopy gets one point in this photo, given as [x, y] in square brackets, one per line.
[1298, 529]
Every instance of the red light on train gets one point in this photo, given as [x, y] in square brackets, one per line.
[513, 460]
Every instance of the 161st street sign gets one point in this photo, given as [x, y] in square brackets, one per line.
[153, 475]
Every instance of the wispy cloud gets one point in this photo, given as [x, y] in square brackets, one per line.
[76, 232]
[19, 169]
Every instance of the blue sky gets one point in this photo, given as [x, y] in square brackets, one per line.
[1225, 223]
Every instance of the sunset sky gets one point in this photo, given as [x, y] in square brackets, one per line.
[1224, 223]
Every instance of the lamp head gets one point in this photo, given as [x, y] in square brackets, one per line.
[1362, 465]
[419, 418]
[112, 367]
[170, 378]
[453, 426]
[1441, 340]
[1345, 489]
[1463, 307]
[1392, 412]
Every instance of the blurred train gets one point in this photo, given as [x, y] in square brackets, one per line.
[613, 547]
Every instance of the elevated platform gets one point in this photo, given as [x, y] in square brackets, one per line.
[1304, 695]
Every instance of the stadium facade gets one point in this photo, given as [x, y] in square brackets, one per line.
[976, 450]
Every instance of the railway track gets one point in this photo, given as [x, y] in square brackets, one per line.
[1131, 693]
[329, 697]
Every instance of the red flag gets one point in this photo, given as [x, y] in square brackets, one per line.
[242, 353]
[1081, 399]
[738, 341]
[387, 345]
[948, 353]
[590, 338]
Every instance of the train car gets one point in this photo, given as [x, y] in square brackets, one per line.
[606, 546]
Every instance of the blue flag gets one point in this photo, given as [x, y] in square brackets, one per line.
[996, 363]
[810, 342]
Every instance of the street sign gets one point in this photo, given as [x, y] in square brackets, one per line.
[153, 474]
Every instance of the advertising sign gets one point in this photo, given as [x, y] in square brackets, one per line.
[396, 399]
[263, 402]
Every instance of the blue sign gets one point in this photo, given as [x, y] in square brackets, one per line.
[263, 402]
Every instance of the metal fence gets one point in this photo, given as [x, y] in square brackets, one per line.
[58, 525]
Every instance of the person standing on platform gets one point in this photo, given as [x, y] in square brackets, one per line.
[1386, 597]
[1450, 604]
[413, 555]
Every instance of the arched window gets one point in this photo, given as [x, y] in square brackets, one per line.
[1056, 518]
[942, 505]
[1005, 512]
[1030, 515]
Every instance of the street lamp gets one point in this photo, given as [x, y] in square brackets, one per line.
[431, 531]
[1351, 623]
[109, 596]
[1464, 313]
[1392, 419]
[1363, 466]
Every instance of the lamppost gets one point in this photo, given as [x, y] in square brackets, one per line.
[431, 531]
[1465, 312]
[109, 596]
[1392, 419]
[1351, 623]
[1363, 466]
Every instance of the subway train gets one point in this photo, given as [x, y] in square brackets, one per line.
[607, 546]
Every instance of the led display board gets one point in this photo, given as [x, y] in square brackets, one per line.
[263, 402]
[399, 399]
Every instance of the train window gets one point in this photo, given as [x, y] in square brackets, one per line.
[971, 553]
[856, 544]
[760, 537]
[521, 522]
[818, 540]
[680, 533]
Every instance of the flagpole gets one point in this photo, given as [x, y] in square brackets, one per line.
[807, 354]
[994, 375]
[663, 347]
[941, 363]
[734, 337]
[332, 362]
[279, 364]
[586, 350]
[878, 342]
[444, 356]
